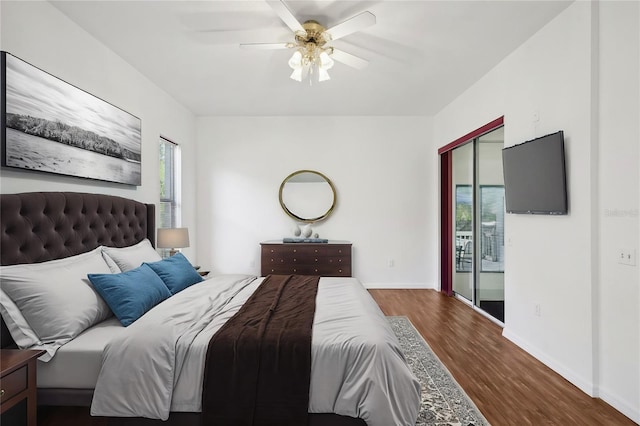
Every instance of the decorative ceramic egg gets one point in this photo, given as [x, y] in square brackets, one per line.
[296, 231]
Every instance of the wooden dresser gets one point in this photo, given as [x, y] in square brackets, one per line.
[332, 259]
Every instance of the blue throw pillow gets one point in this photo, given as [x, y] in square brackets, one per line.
[130, 294]
[176, 272]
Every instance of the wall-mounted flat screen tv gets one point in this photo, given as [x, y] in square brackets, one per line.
[535, 177]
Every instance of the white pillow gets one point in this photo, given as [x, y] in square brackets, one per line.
[55, 299]
[127, 258]
[20, 330]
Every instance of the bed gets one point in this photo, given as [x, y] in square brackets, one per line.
[44, 228]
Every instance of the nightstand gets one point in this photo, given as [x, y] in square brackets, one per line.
[202, 273]
[18, 384]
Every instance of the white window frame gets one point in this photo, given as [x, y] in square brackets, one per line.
[174, 196]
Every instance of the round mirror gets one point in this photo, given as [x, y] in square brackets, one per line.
[307, 196]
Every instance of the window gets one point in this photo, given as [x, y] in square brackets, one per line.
[492, 228]
[169, 184]
[464, 228]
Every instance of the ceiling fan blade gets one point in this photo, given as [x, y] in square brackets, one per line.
[266, 46]
[349, 59]
[285, 14]
[357, 23]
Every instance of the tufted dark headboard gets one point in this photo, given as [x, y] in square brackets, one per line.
[40, 226]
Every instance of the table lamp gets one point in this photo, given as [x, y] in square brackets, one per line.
[173, 238]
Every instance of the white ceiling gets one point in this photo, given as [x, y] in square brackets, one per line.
[422, 54]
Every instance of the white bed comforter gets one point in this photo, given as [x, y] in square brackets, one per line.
[357, 370]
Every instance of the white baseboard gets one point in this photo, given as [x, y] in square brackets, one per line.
[585, 386]
[398, 286]
[625, 407]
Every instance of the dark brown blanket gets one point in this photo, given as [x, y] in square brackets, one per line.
[258, 365]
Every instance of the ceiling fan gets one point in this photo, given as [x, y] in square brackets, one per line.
[312, 53]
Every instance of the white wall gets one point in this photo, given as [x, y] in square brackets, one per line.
[588, 329]
[377, 164]
[39, 34]
[618, 291]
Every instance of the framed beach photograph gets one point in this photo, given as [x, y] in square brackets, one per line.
[49, 125]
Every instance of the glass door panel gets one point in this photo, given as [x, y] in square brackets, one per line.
[463, 220]
[489, 217]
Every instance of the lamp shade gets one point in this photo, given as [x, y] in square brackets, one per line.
[173, 238]
[296, 74]
[323, 74]
[325, 61]
[296, 60]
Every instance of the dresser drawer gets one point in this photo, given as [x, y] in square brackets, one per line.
[297, 250]
[294, 249]
[322, 270]
[13, 383]
[299, 259]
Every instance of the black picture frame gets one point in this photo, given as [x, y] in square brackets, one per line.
[51, 126]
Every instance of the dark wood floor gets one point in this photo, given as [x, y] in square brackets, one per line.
[509, 386]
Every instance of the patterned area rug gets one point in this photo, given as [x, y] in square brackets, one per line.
[444, 403]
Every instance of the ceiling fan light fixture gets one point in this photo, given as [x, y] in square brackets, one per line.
[311, 54]
[296, 60]
[323, 74]
[308, 58]
[325, 61]
[296, 74]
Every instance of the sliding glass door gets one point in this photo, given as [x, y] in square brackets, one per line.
[463, 220]
[489, 232]
[477, 222]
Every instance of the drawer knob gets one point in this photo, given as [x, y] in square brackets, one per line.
[294, 250]
[271, 250]
[340, 270]
[339, 251]
[294, 270]
[1, 393]
[316, 250]
[316, 270]
[316, 260]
